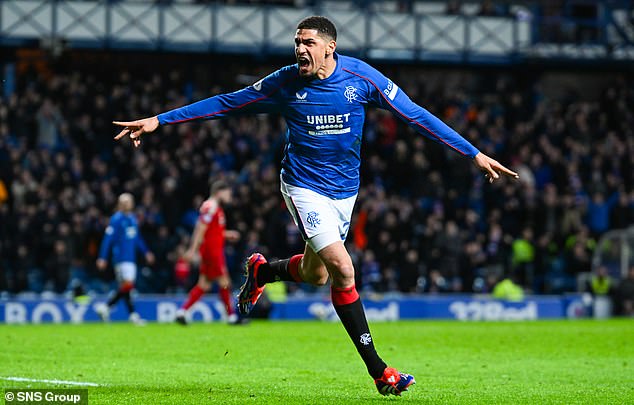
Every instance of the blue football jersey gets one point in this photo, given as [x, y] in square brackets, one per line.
[325, 120]
[122, 238]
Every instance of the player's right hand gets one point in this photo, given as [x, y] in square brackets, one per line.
[136, 128]
[492, 168]
[102, 264]
[189, 256]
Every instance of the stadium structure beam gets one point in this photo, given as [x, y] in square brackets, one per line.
[369, 32]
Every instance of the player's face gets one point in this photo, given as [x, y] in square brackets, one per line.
[225, 196]
[127, 206]
[126, 203]
[311, 51]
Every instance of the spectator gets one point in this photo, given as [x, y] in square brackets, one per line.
[599, 212]
[622, 214]
[488, 8]
[625, 294]
[602, 288]
[58, 267]
[571, 147]
[453, 7]
[508, 290]
[410, 272]
[49, 120]
[524, 257]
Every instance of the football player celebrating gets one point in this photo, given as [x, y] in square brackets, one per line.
[323, 98]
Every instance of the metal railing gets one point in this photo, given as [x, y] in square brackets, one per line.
[265, 29]
[615, 250]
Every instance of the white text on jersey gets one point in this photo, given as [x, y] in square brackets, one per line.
[327, 119]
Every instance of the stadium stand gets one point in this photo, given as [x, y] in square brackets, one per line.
[505, 74]
[425, 220]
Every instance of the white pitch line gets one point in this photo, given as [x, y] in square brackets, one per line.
[79, 383]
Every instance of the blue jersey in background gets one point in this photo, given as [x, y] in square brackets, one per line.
[123, 238]
[325, 120]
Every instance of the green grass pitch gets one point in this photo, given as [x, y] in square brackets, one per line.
[543, 362]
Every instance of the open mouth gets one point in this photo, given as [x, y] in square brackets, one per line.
[303, 61]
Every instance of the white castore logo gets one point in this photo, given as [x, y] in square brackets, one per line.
[365, 339]
[258, 85]
[301, 96]
[350, 94]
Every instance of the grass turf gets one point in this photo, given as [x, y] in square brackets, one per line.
[562, 362]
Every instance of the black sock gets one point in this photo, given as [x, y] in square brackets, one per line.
[128, 301]
[353, 319]
[274, 271]
[115, 298]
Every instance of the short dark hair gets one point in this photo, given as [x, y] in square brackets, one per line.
[219, 185]
[323, 26]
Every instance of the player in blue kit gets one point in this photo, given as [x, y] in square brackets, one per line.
[123, 240]
[323, 98]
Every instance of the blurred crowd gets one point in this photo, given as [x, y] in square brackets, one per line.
[425, 221]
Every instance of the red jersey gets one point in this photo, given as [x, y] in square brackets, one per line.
[213, 216]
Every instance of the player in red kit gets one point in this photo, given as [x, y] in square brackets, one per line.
[209, 240]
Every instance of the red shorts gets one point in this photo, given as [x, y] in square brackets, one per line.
[213, 267]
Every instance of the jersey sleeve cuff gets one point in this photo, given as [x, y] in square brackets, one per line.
[162, 118]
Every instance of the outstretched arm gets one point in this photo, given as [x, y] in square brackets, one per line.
[386, 94]
[257, 98]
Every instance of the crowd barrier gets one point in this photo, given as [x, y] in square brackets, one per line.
[387, 308]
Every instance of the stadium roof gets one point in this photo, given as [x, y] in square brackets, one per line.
[424, 31]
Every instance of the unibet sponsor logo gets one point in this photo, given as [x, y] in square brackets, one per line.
[328, 119]
[329, 124]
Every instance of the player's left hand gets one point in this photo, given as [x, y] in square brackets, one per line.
[232, 236]
[149, 258]
[492, 168]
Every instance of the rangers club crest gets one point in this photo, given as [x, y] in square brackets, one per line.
[365, 339]
[313, 219]
[350, 94]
